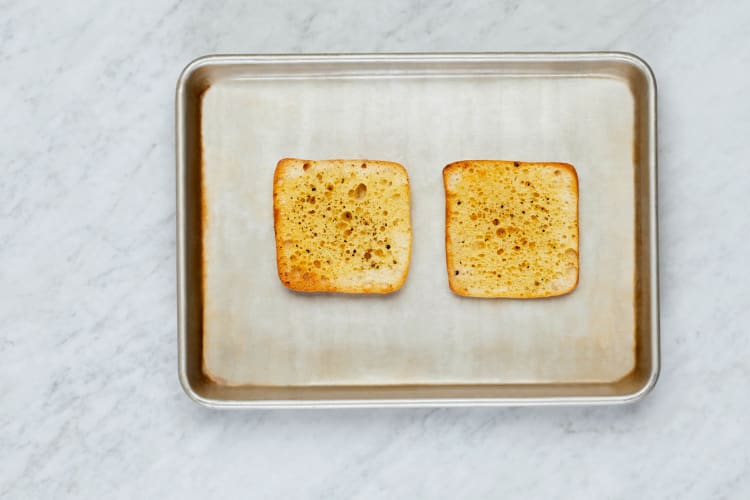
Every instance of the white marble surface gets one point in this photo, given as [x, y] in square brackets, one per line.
[90, 405]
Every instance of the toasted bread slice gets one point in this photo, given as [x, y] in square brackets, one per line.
[511, 228]
[342, 225]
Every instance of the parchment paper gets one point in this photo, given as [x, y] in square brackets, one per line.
[257, 332]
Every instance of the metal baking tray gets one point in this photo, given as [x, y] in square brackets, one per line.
[246, 341]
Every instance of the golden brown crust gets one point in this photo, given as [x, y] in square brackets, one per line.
[480, 170]
[344, 217]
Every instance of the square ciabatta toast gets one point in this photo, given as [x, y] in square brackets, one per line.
[342, 225]
[511, 228]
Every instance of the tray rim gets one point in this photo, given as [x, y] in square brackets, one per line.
[628, 58]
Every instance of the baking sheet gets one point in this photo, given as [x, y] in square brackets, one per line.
[257, 343]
